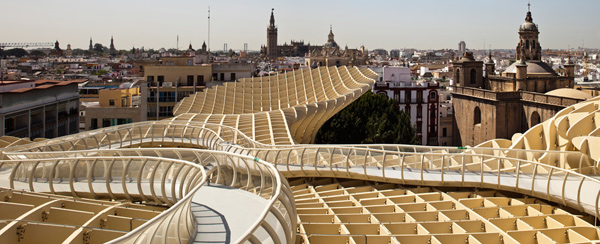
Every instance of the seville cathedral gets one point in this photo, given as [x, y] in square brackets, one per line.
[234, 165]
[329, 54]
[525, 94]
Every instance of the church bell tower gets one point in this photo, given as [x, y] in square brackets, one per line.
[272, 38]
[529, 48]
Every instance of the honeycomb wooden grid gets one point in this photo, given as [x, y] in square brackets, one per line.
[27, 217]
[361, 212]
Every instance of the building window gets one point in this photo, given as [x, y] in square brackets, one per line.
[397, 97]
[200, 80]
[473, 76]
[408, 111]
[457, 77]
[190, 80]
[535, 119]
[189, 62]
[94, 124]
[222, 76]
[477, 116]
[407, 96]
[419, 96]
[232, 76]
[419, 128]
[150, 78]
[166, 97]
[113, 122]
[444, 132]
[419, 112]
[432, 95]
[166, 111]
[161, 79]
[111, 102]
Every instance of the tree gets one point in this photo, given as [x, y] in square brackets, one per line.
[78, 52]
[370, 119]
[99, 48]
[17, 52]
[37, 53]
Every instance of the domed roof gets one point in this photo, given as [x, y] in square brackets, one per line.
[467, 56]
[534, 67]
[330, 41]
[528, 25]
[569, 93]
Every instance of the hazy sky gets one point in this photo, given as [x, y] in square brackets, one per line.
[423, 24]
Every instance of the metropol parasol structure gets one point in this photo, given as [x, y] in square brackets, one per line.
[236, 165]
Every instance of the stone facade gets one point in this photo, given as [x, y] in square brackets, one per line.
[494, 106]
[329, 54]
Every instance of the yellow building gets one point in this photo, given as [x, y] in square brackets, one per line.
[122, 97]
[178, 75]
[114, 107]
[167, 85]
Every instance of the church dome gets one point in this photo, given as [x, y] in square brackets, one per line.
[330, 40]
[534, 67]
[528, 25]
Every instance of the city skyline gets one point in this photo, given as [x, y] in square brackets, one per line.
[432, 24]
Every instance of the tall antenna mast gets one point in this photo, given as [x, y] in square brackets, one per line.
[177, 52]
[209, 32]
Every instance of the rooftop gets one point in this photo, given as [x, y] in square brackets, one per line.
[533, 68]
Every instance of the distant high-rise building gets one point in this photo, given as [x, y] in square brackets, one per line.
[462, 48]
[272, 38]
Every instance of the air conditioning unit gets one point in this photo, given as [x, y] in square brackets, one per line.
[167, 84]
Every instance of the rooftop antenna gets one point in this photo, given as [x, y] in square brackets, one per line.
[528, 6]
[177, 52]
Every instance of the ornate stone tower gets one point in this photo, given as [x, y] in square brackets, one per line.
[91, 45]
[113, 51]
[330, 37]
[529, 47]
[272, 38]
[468, 72]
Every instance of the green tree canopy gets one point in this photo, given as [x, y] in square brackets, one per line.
[17, 52]
[370, 119]
[37, 53]
[99, 48]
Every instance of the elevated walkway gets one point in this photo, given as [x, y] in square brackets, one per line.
[224, 213]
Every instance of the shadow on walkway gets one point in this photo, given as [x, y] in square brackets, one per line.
[212, 226]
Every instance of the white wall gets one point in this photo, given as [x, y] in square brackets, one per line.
[396, 74]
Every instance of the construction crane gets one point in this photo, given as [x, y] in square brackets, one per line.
[20, 45]
[25, 44]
